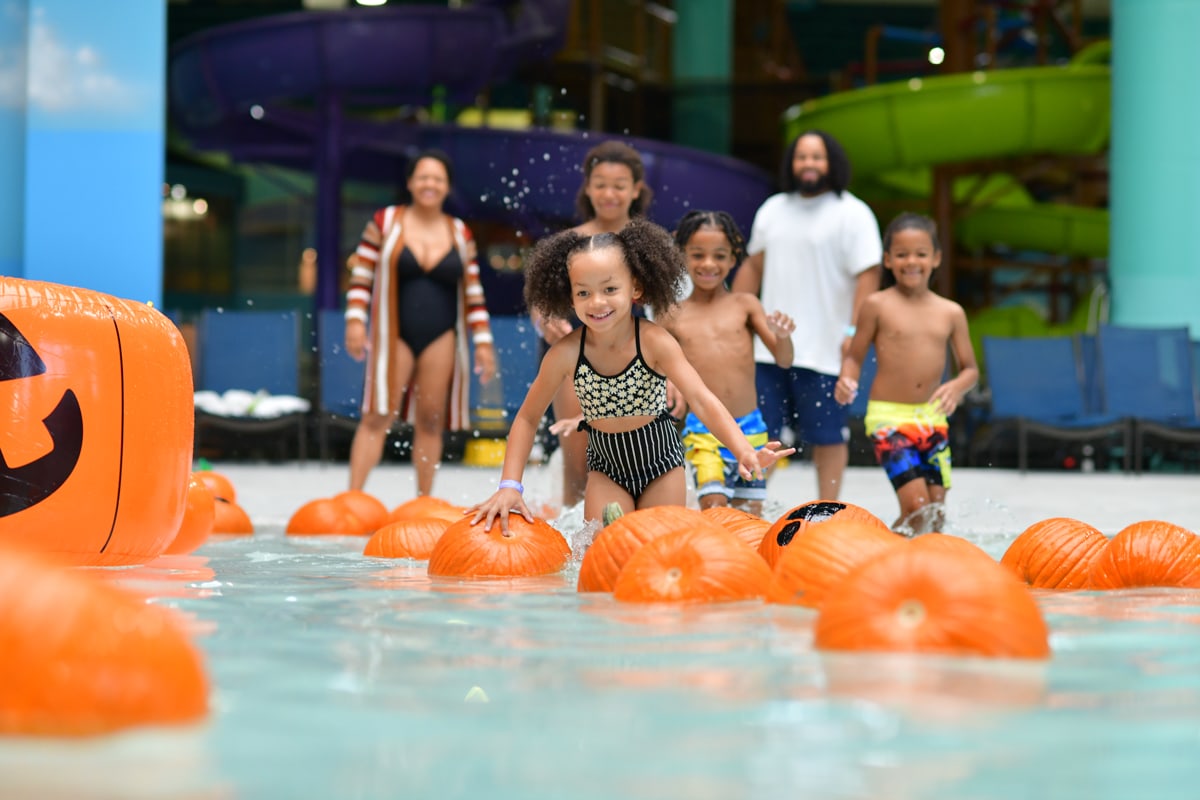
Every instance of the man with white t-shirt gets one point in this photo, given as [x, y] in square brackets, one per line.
[814, 252]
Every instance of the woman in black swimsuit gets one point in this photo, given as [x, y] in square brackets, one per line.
[415, 278]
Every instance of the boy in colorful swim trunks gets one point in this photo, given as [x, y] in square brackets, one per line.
[909, 406]
[716, 329]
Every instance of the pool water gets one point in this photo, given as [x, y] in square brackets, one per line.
[340, 676]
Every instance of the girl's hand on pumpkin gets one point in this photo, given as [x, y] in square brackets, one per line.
[498, 506]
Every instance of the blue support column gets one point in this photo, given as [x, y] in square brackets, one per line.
[328, 168]
[14, 54]
[1155, 164]
[94, 146]
[702, 60]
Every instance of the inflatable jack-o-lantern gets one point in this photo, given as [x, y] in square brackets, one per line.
[95, 424]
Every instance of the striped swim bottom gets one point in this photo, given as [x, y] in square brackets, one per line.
[634, 459]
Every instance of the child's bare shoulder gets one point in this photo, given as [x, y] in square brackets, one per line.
[566, 349]
[949, 307]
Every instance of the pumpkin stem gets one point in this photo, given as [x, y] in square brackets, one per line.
[612, 512]
[674, 574]
[910, 614]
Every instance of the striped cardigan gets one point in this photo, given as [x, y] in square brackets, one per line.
[372, 297]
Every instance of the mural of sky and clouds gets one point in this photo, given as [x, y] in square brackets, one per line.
[86, 67]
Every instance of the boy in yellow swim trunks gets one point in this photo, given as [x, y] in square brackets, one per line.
[716, 329]
[909, 405]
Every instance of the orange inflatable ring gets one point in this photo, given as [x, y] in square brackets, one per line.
[97, 428]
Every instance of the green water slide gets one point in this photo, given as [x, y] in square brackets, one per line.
[895, 133]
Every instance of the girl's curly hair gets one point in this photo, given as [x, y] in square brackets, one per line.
[722, 221]
[649, 251]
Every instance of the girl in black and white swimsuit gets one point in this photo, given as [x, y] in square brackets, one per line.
[619, 366]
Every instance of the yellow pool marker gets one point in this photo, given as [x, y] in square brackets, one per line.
[476, 695]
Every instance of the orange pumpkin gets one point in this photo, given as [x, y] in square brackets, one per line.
[924, 600]
[199, 516]
[818, 561]
[231, 518]
[742, 524]
[1055, 553]
[367, 507]
[1148, 553]
[617, 541]
[426, 506]
[82, 657]
[949, 543]
[804, 517]
[325, 515]
[96, 432]
[692, 565]
[409, 538]
[467, 550]
[220, 486]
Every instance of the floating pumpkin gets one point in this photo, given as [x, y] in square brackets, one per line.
[408, 538]
[199, 516]
[618, 540]
[467, 550]
[325, 515]
[1055, 553]
[693, 565]
[217, 483]
[1148, 553]
[949, 543]
[742, 524]
[230, 518]
[97, 424]
[816, 562]
[82, 657]
[426, 506]
[799, 519]
[367, 507]
[923, 600]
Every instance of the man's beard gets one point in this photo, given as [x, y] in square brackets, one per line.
[810, 186]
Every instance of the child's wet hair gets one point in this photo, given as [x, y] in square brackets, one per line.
[906, 221]
[910, 221]
[613, 152]
[654, 261]
[695, 220]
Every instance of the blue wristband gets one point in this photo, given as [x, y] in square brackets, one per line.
[511, 484]
[850, 331]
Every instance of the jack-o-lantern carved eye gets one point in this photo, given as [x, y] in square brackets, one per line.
[29, 484]
[812, 512]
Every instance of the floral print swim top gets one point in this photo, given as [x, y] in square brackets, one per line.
[635, 391]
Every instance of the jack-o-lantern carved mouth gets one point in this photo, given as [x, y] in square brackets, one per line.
[29, 484]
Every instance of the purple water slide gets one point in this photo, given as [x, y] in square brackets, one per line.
[309, 90]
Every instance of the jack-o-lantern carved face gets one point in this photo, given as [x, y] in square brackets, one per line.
[95, 424]
[23, 485]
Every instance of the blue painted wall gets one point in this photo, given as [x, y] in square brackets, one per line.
[1155, 164]
[13, 25]
[92, 146]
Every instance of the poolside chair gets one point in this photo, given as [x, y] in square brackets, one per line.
[518, 357]
[251, 352]
[340, 378]
[1148, 376]
[1036, 385]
